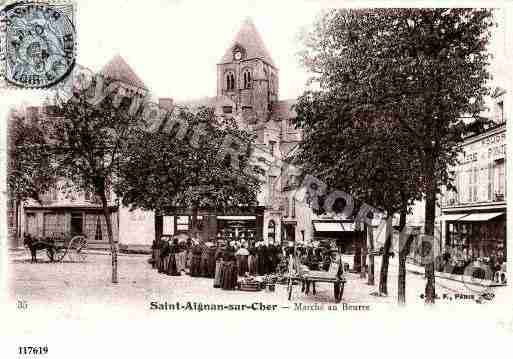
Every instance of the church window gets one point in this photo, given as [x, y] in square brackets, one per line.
[247, 79]
[230, 81]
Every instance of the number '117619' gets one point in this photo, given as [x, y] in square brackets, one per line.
[33, 350]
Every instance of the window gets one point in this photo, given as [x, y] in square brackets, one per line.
[182, 223]
[271, 147]
[98, 235]
[476, 171]
[230, 81]
[490, 181]
[501, 180]
[500, 112]
[227, 109]
[168, 225]
[457, 195]
[76, 224]
[50, 225]
[272, 181]
[469, 174]
[247, 79]
[271, 230]
[31, 224]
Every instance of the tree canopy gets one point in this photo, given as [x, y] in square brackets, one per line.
[396, 89]
[163, 169]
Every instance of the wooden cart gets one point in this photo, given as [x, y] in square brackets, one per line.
[73, 248]
[300, 274]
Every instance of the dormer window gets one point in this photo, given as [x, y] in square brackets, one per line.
[230, 81]
[247, 79]
[500, 112]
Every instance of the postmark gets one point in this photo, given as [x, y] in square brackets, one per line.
[38, 44]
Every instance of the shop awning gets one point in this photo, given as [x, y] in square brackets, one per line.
[237, 218]
[452, 217]
[328, 227]
[480, 217]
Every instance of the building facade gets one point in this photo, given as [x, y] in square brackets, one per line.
[473, 218]
[66, 213]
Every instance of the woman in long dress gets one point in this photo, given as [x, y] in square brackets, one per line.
[171, 264]
[242, 261]
[204, 261]
[188, 254]
[164, 256]
[252, 260]
[261, 259]
[180, 255]
[229, 270]
[211, 261]
[219, 264]
[196, 260]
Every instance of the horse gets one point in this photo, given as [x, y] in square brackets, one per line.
[35, 245]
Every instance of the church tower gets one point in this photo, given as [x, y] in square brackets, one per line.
[248, 76]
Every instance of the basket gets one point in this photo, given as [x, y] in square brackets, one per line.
[250, 287]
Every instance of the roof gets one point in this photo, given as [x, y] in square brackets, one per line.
[249, 39]
[499, 91]
[283, 110]
[289, 149]
[118, 69]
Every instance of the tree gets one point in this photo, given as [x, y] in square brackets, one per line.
[419, 71]
[366, 158]
[28, 171]
[85, 144]
[171, 168]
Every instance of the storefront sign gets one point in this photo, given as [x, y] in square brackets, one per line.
[469, 157]
[497, 151]
[496, 145]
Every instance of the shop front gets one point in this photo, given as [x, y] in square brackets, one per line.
[342, 232]
[242, 223]
[474, 216]
[65, 221]
[477, 235]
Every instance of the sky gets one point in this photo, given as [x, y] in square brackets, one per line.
[174, 45]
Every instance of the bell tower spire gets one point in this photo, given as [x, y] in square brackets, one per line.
[248, 75]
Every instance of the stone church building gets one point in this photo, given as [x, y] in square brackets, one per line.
[248, 91]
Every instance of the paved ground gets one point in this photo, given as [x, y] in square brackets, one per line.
[139, 284]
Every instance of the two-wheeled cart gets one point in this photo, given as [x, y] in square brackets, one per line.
[73, 248]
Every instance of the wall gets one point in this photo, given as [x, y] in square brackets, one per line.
[136, 227]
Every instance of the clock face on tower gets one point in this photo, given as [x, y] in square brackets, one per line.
[237, 55]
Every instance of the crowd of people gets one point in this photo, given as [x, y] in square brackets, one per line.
[221, 260]
[226, 261]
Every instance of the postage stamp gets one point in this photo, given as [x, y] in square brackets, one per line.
[38, 43]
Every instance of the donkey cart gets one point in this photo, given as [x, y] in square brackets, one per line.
[73, 247]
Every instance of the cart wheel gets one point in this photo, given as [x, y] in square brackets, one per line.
[77, 248]
[59, 254]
